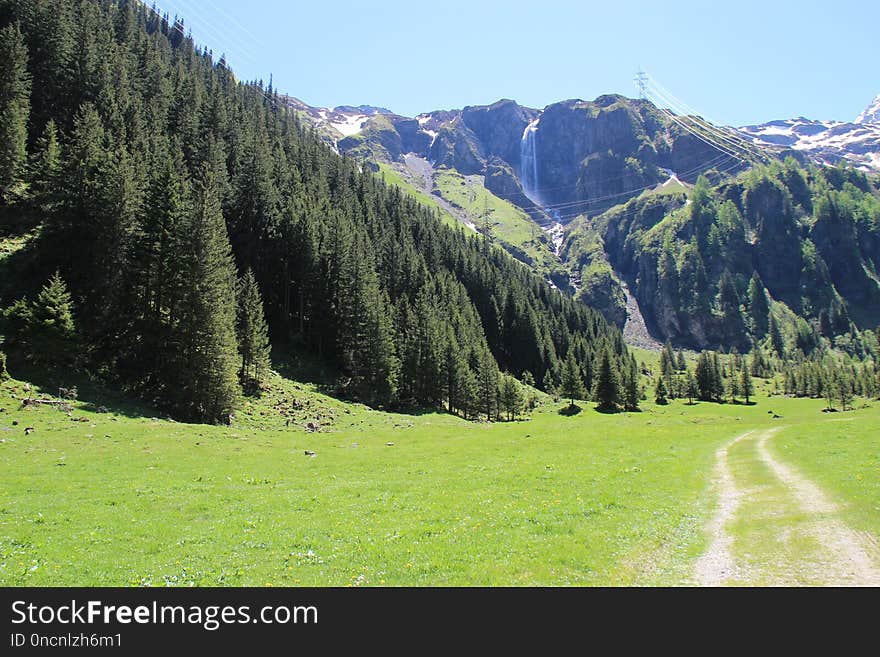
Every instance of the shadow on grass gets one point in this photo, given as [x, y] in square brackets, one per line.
[296, 362]
[92, 395]
[570, 410]
[608, 410]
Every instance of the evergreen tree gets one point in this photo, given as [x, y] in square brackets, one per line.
[51, 331]
[468, 394]
[680, 363]
[729, 303]
[717, 378]
[46, 169]
[843, 390]
[759, 307]
[252, 330]
[209, 361]
[830, 389]
[15, 91]
[549, 383]
[746, 387]
[510, 396]
[632, 391]
[691, 389]
[667, 361]
[776, 337]
[607, 388]
[381, 365]
[572, 384]
[660, 392]
[487, 383]
[759, 366]
[733, 389]
[705, 377]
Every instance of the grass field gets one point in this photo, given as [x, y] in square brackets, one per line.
[122, 498]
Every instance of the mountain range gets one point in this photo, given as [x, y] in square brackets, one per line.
[827, 142]
[558, 187]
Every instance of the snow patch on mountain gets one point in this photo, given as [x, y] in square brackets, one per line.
[827, 142]
[350, 125]
[871, 113]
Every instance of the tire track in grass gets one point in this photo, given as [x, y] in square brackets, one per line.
[802, 539]
[716, 564]
[852, 562]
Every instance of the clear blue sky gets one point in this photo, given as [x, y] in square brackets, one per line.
[736, 62]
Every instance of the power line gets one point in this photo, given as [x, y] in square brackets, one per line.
[661, 96]
[719, 135]
[641, 81]
[222, 36]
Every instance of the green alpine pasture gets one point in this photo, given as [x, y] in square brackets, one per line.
[507, 223]
[115, 496]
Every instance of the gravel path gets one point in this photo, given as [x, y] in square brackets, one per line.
[799, 512]
[850, 562]
[716, 565]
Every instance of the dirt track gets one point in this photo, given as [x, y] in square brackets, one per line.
[803, 540]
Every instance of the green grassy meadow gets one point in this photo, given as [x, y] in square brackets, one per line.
[124, 498]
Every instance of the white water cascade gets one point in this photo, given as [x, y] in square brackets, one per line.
[528, 162]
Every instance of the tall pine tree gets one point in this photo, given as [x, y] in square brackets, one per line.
[15, 91]
[572, 383]
[253, 332]
[209, 363]
[607, 387]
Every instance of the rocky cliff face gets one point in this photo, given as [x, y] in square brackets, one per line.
[589, 155]
[499, 128]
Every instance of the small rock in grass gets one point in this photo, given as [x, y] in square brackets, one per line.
[28, 431]
[15, 423]
[389, 444]
[308, 452]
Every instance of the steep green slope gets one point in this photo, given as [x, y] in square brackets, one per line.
[798, 246]
[506, 223]
[395, 176]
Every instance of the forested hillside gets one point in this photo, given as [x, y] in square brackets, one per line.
[782, 256]
[168, 213]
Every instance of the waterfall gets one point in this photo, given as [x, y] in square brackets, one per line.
[528, 162]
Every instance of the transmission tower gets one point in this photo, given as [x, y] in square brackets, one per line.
[641, 81]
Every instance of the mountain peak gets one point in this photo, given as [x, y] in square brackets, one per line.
[871, 113]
